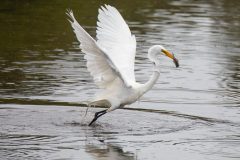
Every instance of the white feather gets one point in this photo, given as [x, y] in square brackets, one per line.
[113, 55]
[101, 63]
[113, 34]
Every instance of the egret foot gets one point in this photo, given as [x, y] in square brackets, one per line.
[97, 115]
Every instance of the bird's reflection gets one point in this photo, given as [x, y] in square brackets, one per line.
[107, 151]
[97, 146]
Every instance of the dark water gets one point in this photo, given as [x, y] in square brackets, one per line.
[191, 113]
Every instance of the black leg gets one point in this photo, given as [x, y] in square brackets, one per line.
[97, 115]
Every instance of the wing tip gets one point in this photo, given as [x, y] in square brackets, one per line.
[106, 7]
[70, 15]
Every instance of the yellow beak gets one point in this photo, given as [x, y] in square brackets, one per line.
[170, 55]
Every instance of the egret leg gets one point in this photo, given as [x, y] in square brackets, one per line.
[97, 115]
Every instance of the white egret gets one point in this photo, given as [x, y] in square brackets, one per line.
[110, 60]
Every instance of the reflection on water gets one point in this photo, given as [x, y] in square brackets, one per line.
[192, 111]
[57, 132]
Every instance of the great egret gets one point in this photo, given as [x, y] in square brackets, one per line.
[110, 60]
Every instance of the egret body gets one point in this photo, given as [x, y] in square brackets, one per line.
[110, 60]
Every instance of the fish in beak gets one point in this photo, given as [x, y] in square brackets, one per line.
[170, 55]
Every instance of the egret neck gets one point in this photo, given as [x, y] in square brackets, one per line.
[153, 79]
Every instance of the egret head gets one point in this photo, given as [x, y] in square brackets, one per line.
[156, 50]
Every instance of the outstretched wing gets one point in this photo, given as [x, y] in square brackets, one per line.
[99, 64]
[114, 35]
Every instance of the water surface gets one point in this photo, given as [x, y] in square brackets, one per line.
[191, 113]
